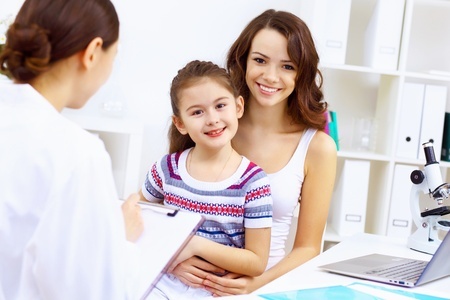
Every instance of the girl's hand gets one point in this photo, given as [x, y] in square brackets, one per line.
[230, 284]
[194, 270]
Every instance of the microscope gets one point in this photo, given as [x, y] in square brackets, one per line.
[428, 222]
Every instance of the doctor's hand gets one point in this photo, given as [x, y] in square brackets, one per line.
[194, 270]
[134, 224]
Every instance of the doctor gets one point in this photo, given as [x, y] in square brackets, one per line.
[62, 233]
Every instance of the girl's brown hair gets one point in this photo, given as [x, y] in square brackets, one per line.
[46, 31]
[305, 104]
[194, 72]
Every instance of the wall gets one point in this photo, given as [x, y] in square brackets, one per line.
[158, 38]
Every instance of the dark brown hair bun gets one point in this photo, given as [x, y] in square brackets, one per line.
[28, 51]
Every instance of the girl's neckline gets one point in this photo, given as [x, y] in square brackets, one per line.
[209, 185]
[189, 167]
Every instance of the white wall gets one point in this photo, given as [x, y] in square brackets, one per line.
[157, 39]
[161, 37]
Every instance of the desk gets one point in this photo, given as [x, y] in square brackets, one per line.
[309, 276]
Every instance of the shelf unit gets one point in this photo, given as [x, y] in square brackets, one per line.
[353, 89]
[123, 141]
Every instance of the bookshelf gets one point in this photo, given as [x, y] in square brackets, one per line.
[370, 89]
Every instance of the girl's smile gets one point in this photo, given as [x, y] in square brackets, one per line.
[217, 132]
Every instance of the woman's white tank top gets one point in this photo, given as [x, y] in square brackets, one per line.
[286, 185]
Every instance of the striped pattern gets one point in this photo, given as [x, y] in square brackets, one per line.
[228, 209]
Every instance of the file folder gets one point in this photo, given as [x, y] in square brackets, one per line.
[445, 150]
[348, 206]
[333, 127]
[400, 221]
[410, 120]
[433, 116]
[166, 233]
[328, 21]
[383, 35]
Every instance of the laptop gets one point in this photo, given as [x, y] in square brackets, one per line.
[396, 270]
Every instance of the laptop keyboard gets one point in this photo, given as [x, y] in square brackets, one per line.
[408, 271]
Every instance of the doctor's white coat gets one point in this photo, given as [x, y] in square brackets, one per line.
[61, 229]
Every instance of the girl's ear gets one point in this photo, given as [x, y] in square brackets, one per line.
[240, 106]
[179, 125]
[91, 54]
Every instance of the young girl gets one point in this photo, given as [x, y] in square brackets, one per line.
[274, 64]
[204, 174]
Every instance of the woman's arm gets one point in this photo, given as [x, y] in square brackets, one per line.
[250, 261]
[320, 169]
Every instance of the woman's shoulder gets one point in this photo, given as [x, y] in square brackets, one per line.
[321, 146]
[324, 141]
[70, 148]
[78, 136]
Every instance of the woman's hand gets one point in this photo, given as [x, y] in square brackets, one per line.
[134, 225]
[194, 270]
[230, 284]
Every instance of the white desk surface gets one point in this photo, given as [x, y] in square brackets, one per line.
[309, 276]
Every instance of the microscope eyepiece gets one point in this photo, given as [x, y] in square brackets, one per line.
[429, 153]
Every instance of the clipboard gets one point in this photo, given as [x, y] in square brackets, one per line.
[166, 232]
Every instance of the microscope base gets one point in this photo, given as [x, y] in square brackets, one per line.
[424, 246]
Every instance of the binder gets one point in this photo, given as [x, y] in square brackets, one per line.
[400, 221]
[333, 127]
[383, 35]
[445, 149]
[348, 206]
[328, 21]
[166, 233]
[410, 120]
[433, 115]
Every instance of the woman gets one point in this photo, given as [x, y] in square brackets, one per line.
[62, 235]
[274, 63]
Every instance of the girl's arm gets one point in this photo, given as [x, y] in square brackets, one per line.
[320, 169]
[250, 261]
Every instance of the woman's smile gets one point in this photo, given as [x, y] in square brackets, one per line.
[267, 89]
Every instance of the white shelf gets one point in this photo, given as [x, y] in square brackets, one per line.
[364, 156]
[353, 90]
[106, 124]
[427, 76]
[361, 69]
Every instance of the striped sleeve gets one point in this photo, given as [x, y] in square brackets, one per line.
[152, 188]
[258, 202]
